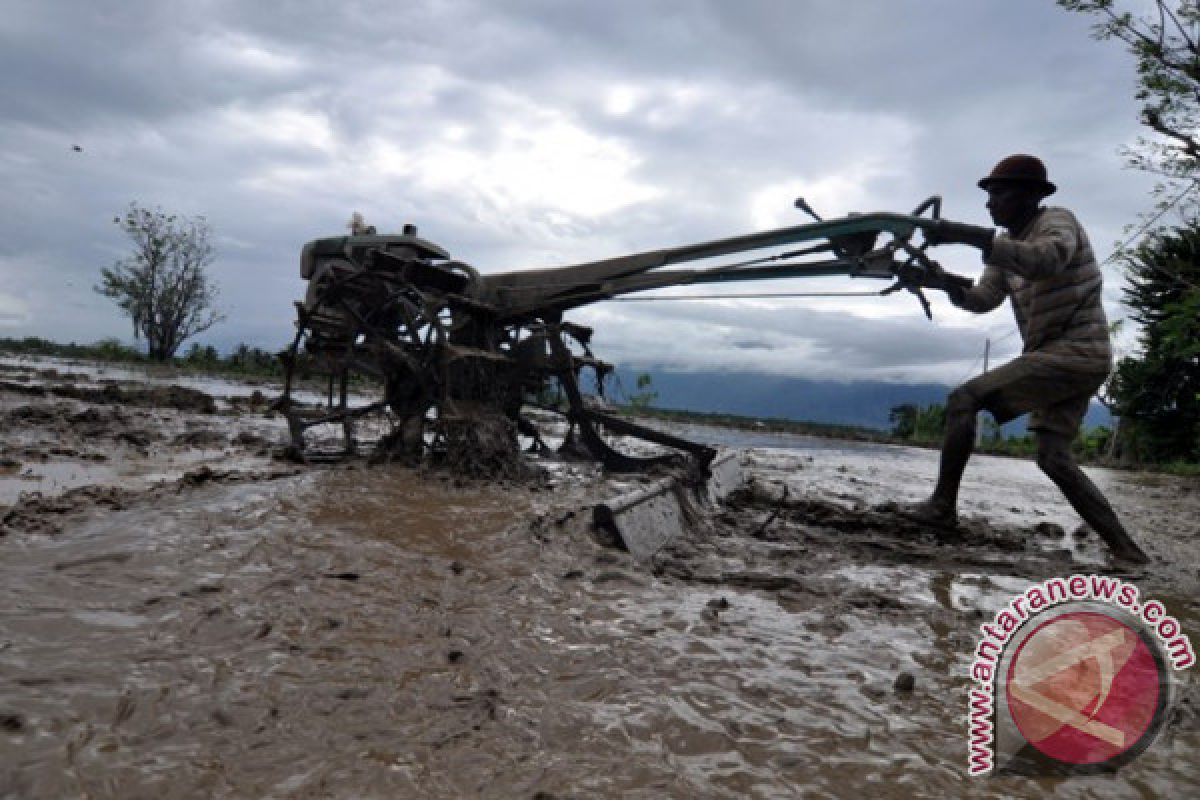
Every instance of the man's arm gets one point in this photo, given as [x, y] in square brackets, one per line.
[983, 296]
[1043, 255]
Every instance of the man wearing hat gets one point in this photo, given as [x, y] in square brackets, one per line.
[1044, 264]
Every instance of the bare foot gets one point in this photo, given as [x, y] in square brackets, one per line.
[926, 512]
[1133, 556]
[1125, 551]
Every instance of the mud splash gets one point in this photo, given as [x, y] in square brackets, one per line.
[378, 632]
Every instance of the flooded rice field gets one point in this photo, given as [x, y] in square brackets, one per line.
[183, 615]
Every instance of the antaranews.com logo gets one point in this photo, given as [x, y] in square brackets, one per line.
[1073, 675]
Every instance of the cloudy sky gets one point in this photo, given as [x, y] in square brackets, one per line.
[527, 133]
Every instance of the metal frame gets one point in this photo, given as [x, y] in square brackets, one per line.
[442, 336]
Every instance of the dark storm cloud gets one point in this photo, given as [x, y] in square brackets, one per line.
[532, 133]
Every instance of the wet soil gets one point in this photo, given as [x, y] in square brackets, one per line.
[183, 616]
[178, 397]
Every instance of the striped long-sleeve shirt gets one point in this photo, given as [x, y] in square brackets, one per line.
[1050, 273]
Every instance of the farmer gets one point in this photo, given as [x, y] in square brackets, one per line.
[1045, 265]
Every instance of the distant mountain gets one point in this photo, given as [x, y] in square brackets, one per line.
[753, 394]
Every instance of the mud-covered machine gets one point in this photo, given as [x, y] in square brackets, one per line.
[462, 356]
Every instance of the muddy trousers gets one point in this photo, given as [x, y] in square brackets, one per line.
[1053, 458]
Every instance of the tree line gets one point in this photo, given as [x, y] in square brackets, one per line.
[926, 424]
[243, 359]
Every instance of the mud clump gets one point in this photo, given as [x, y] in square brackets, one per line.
[403, 445]
[255, 401]
[94, 422]
[22, 389]
[178, 397]
[138, 438]
[482, 446]
[204, 475]
[259, 445]
[200, 476]
[35, 513]
[248, 439]
[1049, 530]
[31, 415]
[201, 438]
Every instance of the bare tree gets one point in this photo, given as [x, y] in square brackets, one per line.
[163, 285]
[1165, 41]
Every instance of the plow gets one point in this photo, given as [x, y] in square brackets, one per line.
[465, 358]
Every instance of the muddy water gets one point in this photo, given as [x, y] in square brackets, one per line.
[47, 370]
[351, 632]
